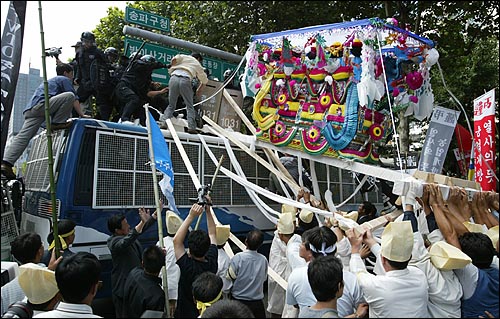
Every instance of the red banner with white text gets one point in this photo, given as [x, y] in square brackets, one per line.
[484, 141]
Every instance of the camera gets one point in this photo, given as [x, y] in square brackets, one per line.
[203, 191]
[53, 52]
[19, 309]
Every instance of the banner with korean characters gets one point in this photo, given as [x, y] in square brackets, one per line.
[438, 139]
[484, 141]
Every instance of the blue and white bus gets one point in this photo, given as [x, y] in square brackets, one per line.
[101, 169]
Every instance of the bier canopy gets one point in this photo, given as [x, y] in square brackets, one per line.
[332, 89]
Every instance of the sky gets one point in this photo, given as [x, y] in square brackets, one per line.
[63, 24]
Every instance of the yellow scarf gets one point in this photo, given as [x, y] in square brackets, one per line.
[61, 239]
[202, 306]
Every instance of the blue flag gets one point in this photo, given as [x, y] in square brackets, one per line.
[163, 163]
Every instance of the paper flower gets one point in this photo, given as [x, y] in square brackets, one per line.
[414, 80]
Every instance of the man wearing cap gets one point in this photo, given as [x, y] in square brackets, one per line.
[480, 278]
[40, 286]
[248, 271]
[445, 290]
[277, 262]
[77, 278]
[25, 248]
[222, 232]
[403, 291]
[286, 233]
[173, 222]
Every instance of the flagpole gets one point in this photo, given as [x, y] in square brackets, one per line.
[48, 124]
[158, 209]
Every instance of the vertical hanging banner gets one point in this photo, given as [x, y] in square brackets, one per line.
[484, 141]
[438, 139]
[12, 46]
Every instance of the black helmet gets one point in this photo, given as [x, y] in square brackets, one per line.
[148, 58]
[111, 51]
[87, 36]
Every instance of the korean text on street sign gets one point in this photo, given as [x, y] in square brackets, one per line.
[147, 19]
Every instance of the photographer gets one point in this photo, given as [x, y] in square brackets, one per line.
[136, 88]
[202, 256]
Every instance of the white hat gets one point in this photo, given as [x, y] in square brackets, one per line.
[285, 224]
[447, 257]
[493, 234]
[222, 233]
[397, 241]
[173, 222]
[475, 228]
[288, 209]
[306, 216]
[38, 283]
[352, 215]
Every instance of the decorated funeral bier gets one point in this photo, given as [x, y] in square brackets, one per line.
[332, 89]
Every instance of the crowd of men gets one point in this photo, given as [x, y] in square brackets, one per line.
[437, 259]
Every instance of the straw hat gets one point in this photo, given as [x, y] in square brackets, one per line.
[306, 216]
[285, 224]
[38, 283]
[397, 241]
[447, 257]
[173, 222]
[222, 233]
[493, 234]
[288, 209]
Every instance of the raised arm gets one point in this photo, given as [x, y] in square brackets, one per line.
[179, 237]
[210, 221]
[442, 215]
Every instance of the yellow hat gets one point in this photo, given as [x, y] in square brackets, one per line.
[288, 209]
[397, 241]
[222, 233]
[173, 222]
[493, 234]
[474, 228]
[447, 257]
[351, 215]
[285, 224]
[38, 283]
[306, 216]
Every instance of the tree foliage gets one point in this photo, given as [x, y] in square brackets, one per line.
[466, 33]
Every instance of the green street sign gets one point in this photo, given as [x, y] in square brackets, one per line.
[165, 54]
[147, 19]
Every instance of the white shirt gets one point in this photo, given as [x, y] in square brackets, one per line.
[173, 270]
[68, 310]
[299, 292]
[445, 290]
[397, 294]
[223, 261]
[292, 254]
[278, 263]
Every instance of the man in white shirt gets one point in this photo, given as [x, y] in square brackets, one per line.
[222, 233]
[173, 222]
[403, 291]
[77, 278]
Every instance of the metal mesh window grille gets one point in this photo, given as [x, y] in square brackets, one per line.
[122, 176]
[37, 166]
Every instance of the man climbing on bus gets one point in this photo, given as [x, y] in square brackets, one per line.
[62, 99]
